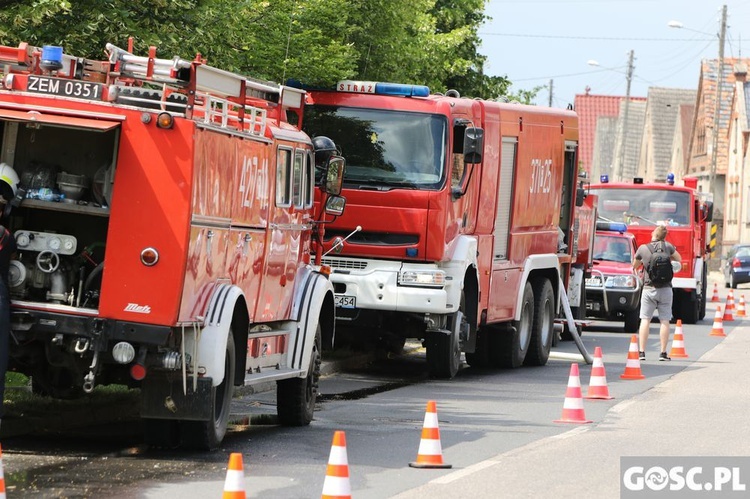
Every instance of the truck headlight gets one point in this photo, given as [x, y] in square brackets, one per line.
[422, 278]
[621, 281]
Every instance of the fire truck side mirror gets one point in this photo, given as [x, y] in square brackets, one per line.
[334, 175]
[580, 196]
[473, 145]
[335, 205]
[707, 211]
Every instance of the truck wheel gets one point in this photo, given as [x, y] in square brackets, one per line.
[56, 382]
[480, 357]
[443, 354]
[295, 397]
[687, 308]
[207, 435]
[632, 321]
[543, 324]
[508, 348]
[161, 433]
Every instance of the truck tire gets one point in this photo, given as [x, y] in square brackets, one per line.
[632, 321]
[56, 382]
[543, 324]
[444, 350]
[443, 354]
[687, 307]
[704, 297]
[207, 435]
[161, 433]
[296, 397]
[508, 348]
[480, 358]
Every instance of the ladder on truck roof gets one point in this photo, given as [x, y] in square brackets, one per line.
[208, 95]
[221, 96]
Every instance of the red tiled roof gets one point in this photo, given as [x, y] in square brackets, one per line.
[589, 108]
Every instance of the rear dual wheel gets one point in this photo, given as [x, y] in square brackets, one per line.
[543, 324]
[508, 348]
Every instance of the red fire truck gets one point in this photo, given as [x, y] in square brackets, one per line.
[164, 223]
[466, 210]
[687, 216]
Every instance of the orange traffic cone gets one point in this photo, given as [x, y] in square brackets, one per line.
[336, 484]
[430, 453]
[573, 405]
[729, 308]
[598, 381]
[718, 327]
[633, 364]
[741, 312]
[234, 485]
[2, 475]
[715, 297]
[678, 343]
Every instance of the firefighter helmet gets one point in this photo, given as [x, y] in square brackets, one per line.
[8, 187]
[324, 149]
[9, 179]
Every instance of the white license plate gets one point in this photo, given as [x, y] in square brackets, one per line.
[344, 301]
[64, 87]
[594, 281]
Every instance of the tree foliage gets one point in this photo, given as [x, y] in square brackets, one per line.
[428, 42]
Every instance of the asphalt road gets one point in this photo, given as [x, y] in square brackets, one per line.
[493, 424]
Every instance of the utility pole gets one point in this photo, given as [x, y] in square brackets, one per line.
[624, 119]
[717, 110]
[551, 83]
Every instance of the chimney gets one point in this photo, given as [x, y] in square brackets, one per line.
[740, 72]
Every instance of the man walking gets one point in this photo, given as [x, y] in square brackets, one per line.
[656, 259]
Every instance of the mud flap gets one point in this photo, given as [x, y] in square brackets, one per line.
[162, 398]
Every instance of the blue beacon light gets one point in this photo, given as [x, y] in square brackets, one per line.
[670, 178]
[604, 179]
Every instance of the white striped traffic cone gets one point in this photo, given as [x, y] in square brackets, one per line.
[718, 326]
[678, 343]
[741, 312]
[430, 453]
[234, 485]
[633, 363]
[573, 405]
[336, 484]
[598, 381]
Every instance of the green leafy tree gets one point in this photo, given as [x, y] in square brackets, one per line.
[430, 42]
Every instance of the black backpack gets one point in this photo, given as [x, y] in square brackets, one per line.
[659, 267]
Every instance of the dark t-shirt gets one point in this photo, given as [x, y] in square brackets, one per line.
[644, 254]
[7, 249]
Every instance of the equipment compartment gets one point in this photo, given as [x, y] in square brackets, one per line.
[61, 211]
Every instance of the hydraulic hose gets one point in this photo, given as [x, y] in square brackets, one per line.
[572, 324]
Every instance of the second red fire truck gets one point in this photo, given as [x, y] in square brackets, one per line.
[687, 216]
[467, 217]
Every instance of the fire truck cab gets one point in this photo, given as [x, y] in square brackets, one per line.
[164, 223]
[687, 216]
[467, 217]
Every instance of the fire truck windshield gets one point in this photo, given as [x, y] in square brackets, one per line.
[639, 206]
[383, 148]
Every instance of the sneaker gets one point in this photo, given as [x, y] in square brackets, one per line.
[663, 356]
[641, 355]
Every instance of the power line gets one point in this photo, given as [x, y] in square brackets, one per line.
[600, 38]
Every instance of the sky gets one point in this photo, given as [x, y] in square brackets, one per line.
[534, 41]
